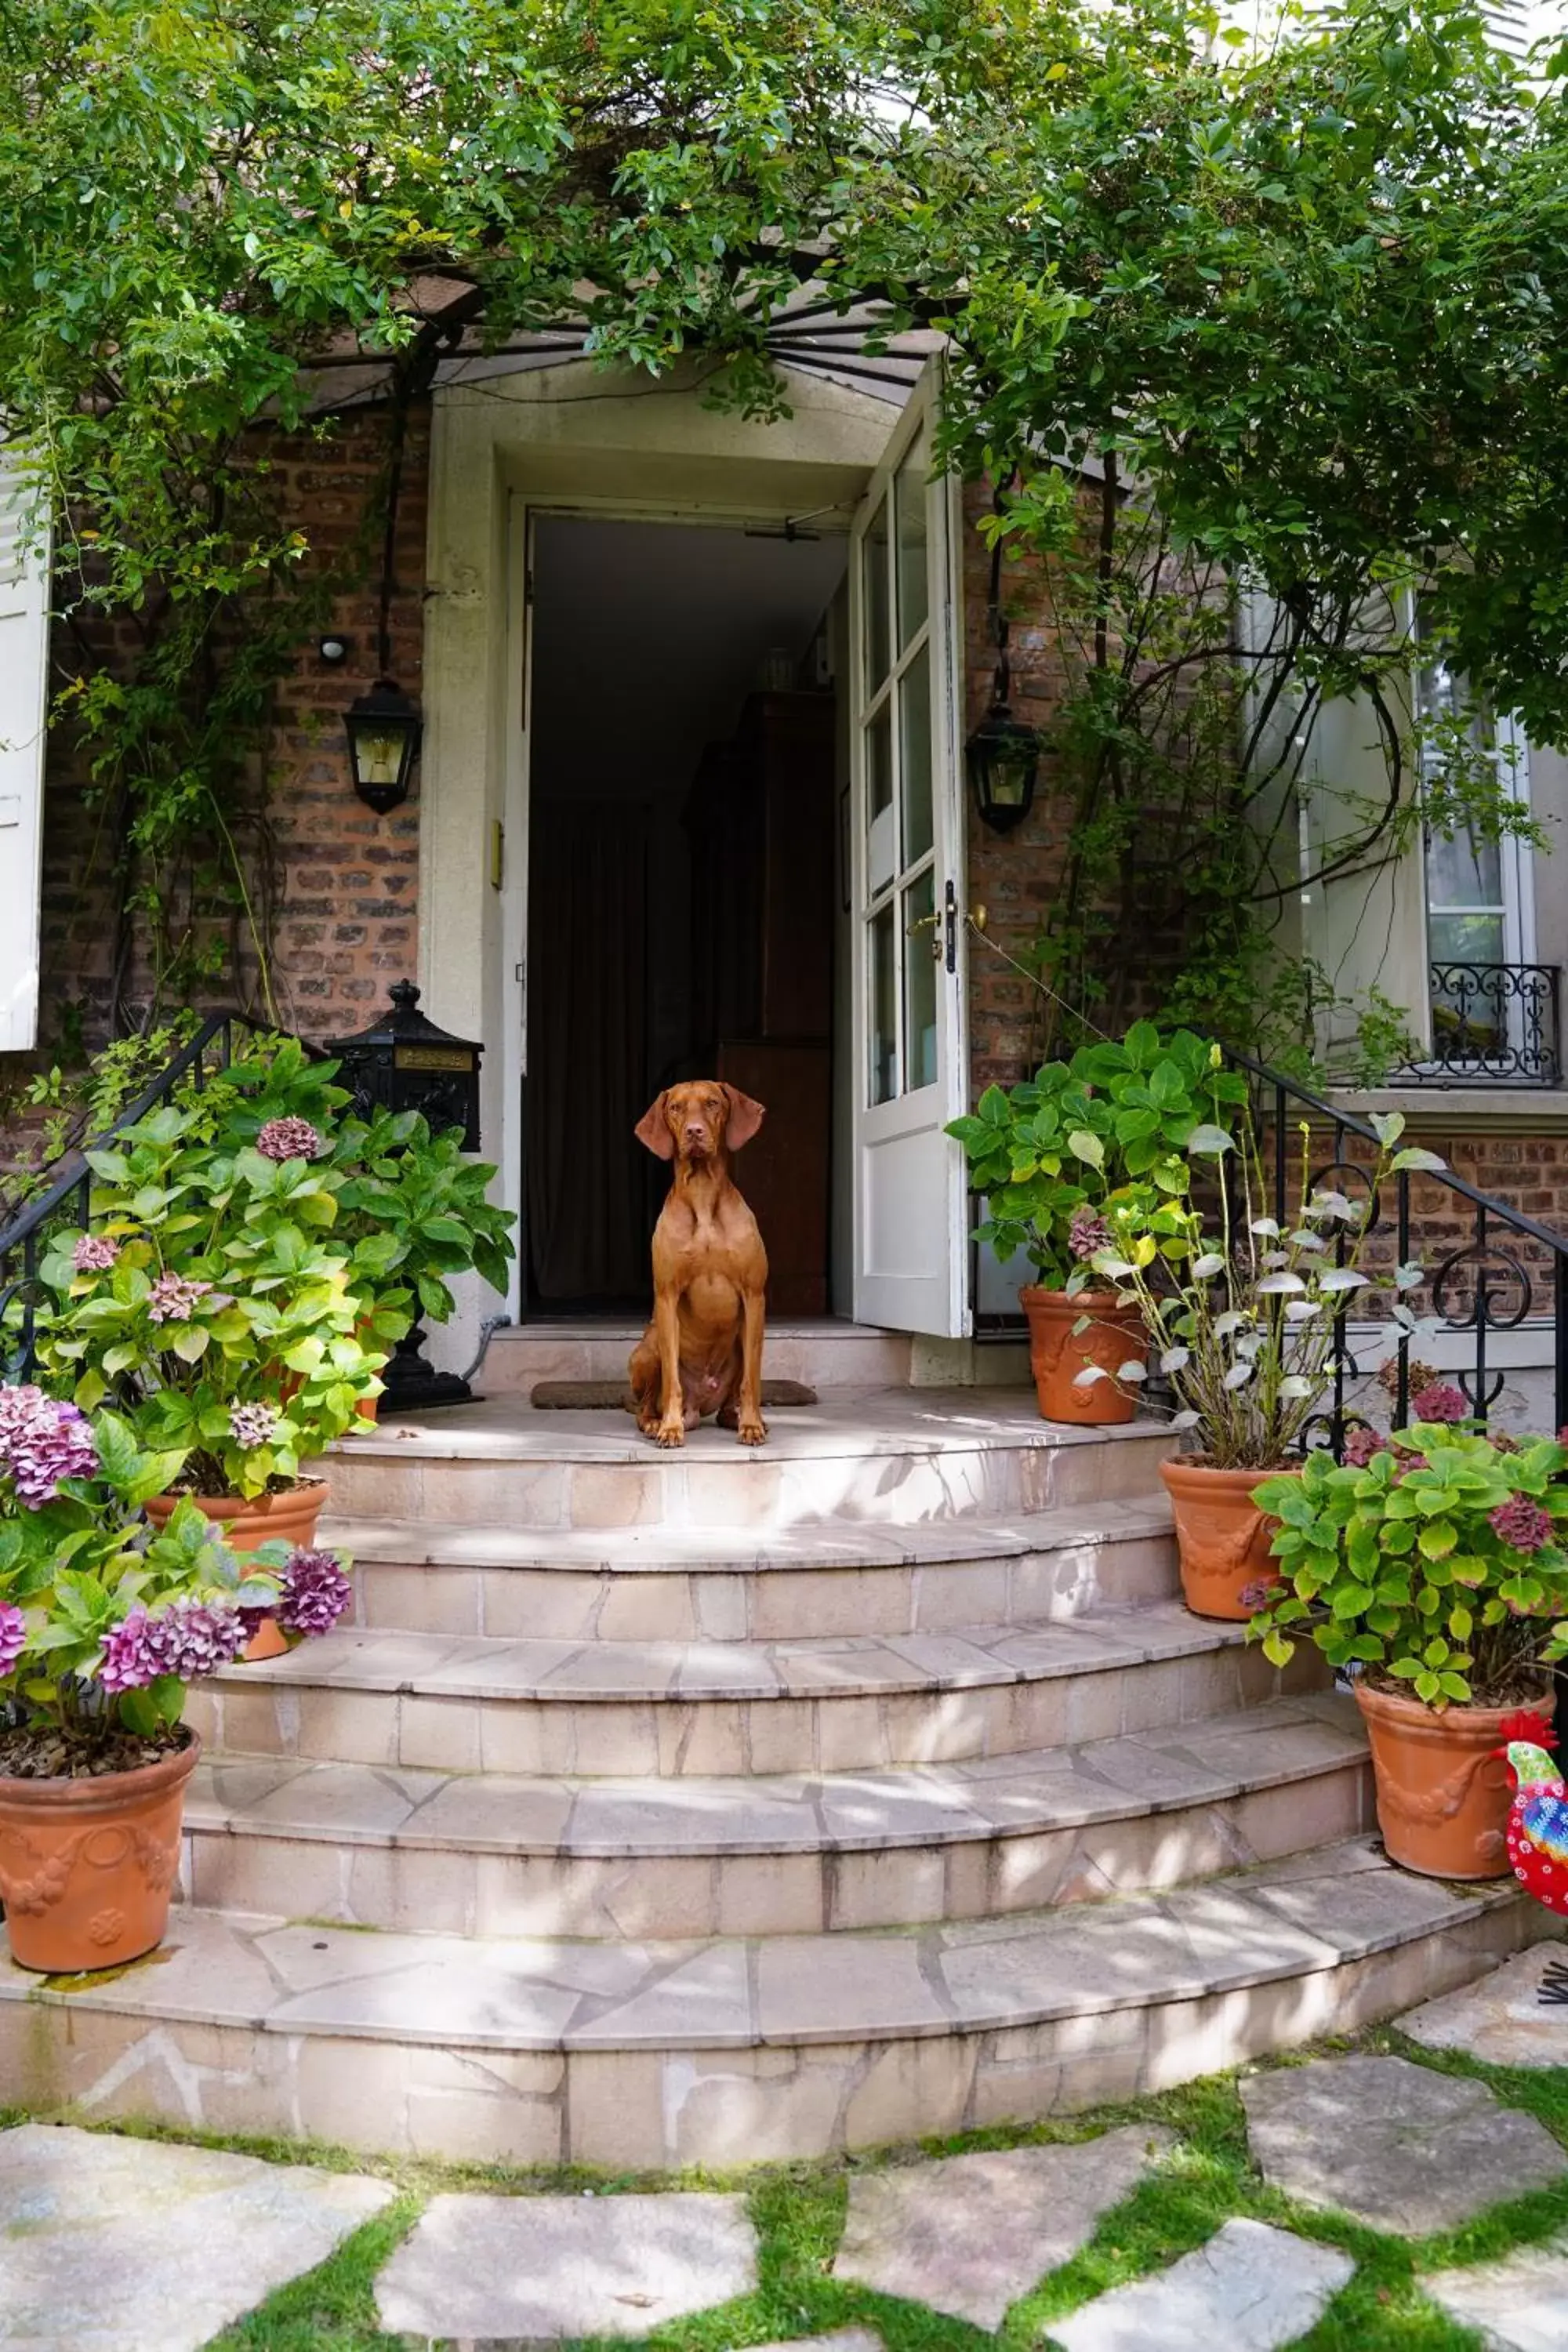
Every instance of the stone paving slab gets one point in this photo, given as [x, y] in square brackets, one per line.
[1500, 2019]
[1400, 2148]
[970, 2234]
[536, 2269]
[1519, 2305]
[1250, 2289]
[131, 2245]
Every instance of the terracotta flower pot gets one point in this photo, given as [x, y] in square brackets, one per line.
[291, 1516]
[86, 1866]
[261, 1518]
[1222, 1537]
[1443, 1792]
[1058, 1353]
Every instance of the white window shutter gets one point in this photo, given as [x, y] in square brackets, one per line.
[24, 705]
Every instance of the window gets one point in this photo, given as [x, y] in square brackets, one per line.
[1480, 913]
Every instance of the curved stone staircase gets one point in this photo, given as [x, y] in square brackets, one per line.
[705, 1807]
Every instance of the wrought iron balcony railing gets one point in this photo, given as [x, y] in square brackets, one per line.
[1492, 1024]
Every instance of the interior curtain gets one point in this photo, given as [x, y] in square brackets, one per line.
[587, 1050]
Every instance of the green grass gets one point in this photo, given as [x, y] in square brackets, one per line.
[798, 2210]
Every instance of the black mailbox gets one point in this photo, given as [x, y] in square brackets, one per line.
[404, 1062]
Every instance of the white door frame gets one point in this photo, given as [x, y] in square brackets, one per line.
[911, 1216]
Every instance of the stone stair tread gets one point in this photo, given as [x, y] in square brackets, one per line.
[478, 1666]
[1268, 1746]
[822, 1543]
[847, 1423]
[274, 1977]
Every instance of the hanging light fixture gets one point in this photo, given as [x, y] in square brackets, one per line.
[1003, 754]
[384, 729]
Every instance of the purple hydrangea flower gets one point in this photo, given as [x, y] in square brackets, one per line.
[315, 1592]
[1087, 1236]
[289, 1138]
[1522, 1524]
[43, 1441]
[252, 1424]
[189, 1640]
[129, 1655]
[173, 1298]
[1361, 1445]
[13, 1637]
[94, 1254]
[1440, 1400]
[195, 1638]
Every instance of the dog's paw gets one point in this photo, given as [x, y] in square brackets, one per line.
[753, 1431]
[670, 1432]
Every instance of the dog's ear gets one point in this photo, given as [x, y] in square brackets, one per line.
[652, 1128]
[745, 1118]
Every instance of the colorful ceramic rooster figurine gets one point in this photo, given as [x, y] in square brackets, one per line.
[1538, 1818]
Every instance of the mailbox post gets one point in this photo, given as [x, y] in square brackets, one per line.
[404, 1062]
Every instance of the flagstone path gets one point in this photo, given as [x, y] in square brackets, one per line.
[126, 2245]
[111, 2244]
[1400, 2148]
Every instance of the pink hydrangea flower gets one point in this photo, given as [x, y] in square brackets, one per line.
[315, 1592]
[1521, 1523]
[1440, 1400]
[94, 1254]
[13, 1637]
[42, 1443]
[173, 1297]
[289, 1138]
[130, 1659]
[252, 1424]
[1087, 1236]
[1361, 1444]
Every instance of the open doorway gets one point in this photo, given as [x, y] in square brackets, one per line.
[684, 886]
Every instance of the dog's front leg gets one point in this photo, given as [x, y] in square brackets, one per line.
[751, 1428]
[671, 1430]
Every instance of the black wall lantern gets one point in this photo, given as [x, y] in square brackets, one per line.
[383, 729]
[404, 1062]
[1003, 754]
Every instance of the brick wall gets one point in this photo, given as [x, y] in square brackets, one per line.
[346, 880]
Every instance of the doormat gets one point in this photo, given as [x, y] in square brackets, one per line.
[615, 1396]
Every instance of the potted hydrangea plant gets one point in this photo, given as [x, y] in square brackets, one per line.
[1055, 1157]
[208, 1303]
[104, 1622]
[1430, 1566]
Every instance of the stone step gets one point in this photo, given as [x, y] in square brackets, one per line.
[492, 1854]
[732, 1584]
[820, 1350]
[725, 2052]
[895, 1456]
[458, 1704]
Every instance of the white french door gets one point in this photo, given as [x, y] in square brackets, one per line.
[906, 889]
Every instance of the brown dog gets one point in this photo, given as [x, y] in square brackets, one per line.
[702, 1353]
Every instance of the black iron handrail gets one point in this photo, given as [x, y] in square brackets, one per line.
[72, 1189]
[1492, 1024]
[1497, 1277]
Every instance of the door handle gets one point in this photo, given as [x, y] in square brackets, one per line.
[950, 928]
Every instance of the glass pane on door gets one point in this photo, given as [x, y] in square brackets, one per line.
[875, 599]
[921, 944]
[914, 745]
[884, 976]
[910, 509]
